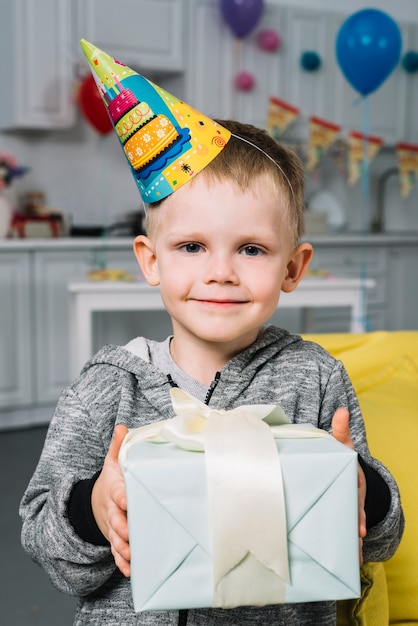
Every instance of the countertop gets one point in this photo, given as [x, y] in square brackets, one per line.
[126, 243]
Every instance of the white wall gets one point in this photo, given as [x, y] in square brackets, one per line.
[85, 175]
[399, 9]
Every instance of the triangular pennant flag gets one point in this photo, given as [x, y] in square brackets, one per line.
[280, 115]
[407, 154]
[338, 154]
[357, 143]
[322, 135]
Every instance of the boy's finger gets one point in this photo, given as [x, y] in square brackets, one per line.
[118, 436]
[341, 428]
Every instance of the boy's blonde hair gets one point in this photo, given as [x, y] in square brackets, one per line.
[243, 164]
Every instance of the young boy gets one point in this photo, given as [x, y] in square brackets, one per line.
[221, 248]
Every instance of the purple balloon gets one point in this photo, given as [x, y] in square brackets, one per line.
[242, 16]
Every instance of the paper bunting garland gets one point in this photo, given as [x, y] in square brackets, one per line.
[351, 153]
[357, 143]
[322, 135]
[338, 153]
[407, 155]
[280, 115]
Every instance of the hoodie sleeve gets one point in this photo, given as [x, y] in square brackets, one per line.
[384, 536]
[74, 450]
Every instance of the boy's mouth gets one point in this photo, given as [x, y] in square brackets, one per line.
[220, 301]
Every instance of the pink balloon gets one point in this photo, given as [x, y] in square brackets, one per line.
[269, 40]
[244, 81]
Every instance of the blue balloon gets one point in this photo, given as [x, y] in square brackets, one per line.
[368, 48]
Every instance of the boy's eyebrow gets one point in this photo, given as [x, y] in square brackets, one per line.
[186, 235]
[243, 238]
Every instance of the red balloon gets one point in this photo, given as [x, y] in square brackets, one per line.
[92, 107]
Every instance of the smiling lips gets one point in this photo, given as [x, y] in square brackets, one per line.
[219, 302]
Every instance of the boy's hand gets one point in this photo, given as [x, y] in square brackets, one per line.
[341, 432]
[108, 500]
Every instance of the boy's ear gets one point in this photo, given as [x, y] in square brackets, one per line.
[297, 265]
[145, 255]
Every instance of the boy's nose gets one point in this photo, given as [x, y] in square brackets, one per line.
[220, 268]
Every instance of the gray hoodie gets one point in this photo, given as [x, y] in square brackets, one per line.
[118, 386]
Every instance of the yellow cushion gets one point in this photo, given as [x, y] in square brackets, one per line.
[383, 367]
[372, 608]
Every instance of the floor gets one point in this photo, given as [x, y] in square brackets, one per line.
[27, 596]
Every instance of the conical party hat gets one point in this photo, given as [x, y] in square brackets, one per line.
[165, 141]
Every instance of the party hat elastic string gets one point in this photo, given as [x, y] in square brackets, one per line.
[250, 143]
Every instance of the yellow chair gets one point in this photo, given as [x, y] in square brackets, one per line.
[383, 367]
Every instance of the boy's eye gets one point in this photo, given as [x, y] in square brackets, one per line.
[251, 251]
[192, 247]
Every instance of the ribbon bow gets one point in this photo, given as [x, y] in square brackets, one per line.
[245, 489]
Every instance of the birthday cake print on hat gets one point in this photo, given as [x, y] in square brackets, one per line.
[165, 141]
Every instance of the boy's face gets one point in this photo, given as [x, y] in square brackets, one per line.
[221, 257]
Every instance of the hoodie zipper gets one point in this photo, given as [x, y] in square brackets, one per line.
[211, 387]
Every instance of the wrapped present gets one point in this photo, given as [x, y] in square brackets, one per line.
[236, 508]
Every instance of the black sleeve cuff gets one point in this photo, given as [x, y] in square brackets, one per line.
[81, 515]
[377, 495]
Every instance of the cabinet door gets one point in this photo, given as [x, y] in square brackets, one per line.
[411, 132]
[354, 262]
[16, 318]
[146, 35]
[313, 92]
[215, 57]
[403, 281]
[53, 271]
[381, 113]
[35, 38]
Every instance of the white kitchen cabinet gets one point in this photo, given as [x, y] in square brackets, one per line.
[37, 79]
[393, 303]
[354, 262]
[313, 92]
[145, 34]
[34, 324]
[402, 281]
[411, 131]
[53, 271]
[16, 328]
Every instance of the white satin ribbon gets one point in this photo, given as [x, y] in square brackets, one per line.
[245, 487]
